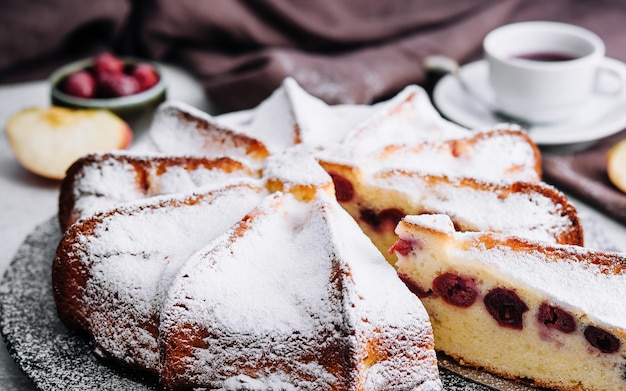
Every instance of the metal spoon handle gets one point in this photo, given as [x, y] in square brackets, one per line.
[443, 64]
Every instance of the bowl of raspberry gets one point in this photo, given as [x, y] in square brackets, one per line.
[128, 87]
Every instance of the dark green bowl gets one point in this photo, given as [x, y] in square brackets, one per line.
[128, 107]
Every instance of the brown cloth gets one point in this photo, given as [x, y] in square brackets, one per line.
[343, 51]
[583, 175]
[38, 36]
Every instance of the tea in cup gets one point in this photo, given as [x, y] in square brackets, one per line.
[544, 72]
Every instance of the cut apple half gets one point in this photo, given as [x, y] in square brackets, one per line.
[616, 165]
[46, 141]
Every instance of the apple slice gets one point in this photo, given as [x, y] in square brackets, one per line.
[46, 141]
[616, 165]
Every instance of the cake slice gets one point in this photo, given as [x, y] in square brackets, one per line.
[289, 116]
[408, 118]
[311, 306]
[180, 129]
[494, 155]
[546, 313]
[379, 200]
[102, 181]
[111, 270]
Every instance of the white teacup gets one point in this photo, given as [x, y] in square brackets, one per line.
[543, 71]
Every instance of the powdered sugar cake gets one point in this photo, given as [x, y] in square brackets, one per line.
[321, 317]
[308, 309]
[111, 271]
[392, 158]
[550, 314]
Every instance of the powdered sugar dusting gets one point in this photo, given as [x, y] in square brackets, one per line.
[241, 259]
[405, 132]
[408, 118]
[589, 288]
[273, 122]
[437, 222]
[294, 303]
[296, 165]
[376, 296]
[495, 156]
[133, 255]
[108, 180]
[115, 179]
[483, 207]
[322, 125]
[180, 129]
[291, 116]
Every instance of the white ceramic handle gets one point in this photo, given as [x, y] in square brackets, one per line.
[613, 71]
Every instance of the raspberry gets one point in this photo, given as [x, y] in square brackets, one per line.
[80, 84]
[556, 318]
[456, 290]
[116, 85]
[506, 307]
[146, 76]
[106, 63]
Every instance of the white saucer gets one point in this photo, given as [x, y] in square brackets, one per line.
[602, 116]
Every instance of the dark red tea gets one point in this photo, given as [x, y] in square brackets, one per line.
[546, 56]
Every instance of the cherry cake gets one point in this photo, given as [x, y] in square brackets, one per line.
[547, 313]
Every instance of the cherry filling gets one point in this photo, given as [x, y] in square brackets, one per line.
[506, 307]
[389, 216]
[344, 191]
[601, 339]
[556, 318]
[404, 247]
[456, 290]
[370, 217]
[414, 287]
